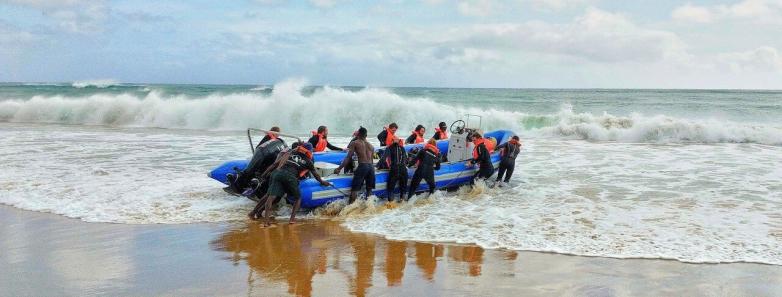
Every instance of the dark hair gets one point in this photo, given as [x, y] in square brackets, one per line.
[362, 132]
[393, 126]
[477, 135]
[443, 124]
[321, 129]
[515, 137]
[275, 129]
[419, 127]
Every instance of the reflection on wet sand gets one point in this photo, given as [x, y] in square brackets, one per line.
[295, 254]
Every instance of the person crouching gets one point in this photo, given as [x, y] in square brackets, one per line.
[426, 161]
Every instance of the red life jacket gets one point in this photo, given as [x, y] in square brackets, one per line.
[321, 145]
[477, 142]
[418, 137]
[443, 133]
[389, 136]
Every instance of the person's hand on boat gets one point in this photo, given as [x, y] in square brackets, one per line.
[325, 183]
[336, 171]
[468, 164]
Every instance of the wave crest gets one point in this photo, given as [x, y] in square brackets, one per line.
[345, 110]
[95, 83]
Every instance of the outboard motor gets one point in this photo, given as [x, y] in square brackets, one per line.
[264, 156]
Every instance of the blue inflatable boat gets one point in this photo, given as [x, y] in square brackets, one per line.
[452, 174]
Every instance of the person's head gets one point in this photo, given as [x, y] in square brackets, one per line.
[323, 131]
[514, 139]
[393, 127]
[432, 141]
[275, 129]
[361, 133]
[420, 129]
[476, 135]
[443, 126]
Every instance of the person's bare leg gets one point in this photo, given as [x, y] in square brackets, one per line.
[268, 211]
[256, 213]
[295, 209]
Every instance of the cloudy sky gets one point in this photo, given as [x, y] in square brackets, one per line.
[462, 43]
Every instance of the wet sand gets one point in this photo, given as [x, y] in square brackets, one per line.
[48, 255]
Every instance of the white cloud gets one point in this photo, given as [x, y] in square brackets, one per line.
[755, 10]
[477, 8]
[556, 4]
[764, 59]
[75, 16]
[324, 3]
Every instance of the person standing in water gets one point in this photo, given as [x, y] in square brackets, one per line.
[508, 153]
[364, 173]
[288, 170]
[320, 142]
[427, 161]
[481, 157]
[396, 162]
[417, 136]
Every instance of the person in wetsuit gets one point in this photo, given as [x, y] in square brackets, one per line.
[481, 157]
[417, 136]
[364, 173]
[386, 137]
[269, 136]
[508, 153]
[427, 161]
[264, 155]
[396, 162]
[320, 142]
[288, 170]
[441, 132]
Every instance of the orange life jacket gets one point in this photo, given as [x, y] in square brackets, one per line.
[490, 145]
[321, 145]
[443, 133]
[477, 142]
[432, 148]
[389, 136]
[418, 137]
[307, 152]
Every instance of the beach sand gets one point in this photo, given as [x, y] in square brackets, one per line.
[49, 255]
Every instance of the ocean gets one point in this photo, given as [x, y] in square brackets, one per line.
[690, 175]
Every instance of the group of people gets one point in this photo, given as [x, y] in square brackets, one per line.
[291, 166]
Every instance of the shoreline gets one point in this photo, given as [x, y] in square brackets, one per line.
[52, 255]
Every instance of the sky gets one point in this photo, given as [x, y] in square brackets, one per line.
[730, 44]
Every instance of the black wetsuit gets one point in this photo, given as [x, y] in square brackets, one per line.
[264, 140]
[411, 139]
[382, 137]
[396, 162]
[314, 141]
[485, 169]
[428, 161]
[265, 154]
[507, 160]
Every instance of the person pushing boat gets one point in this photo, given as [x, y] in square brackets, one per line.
[481, 157]
[427, 161]
[364, 173]
[396, 162]
[296, 164]
[508, 153]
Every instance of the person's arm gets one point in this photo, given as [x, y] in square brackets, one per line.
[436, 135]
[313, 141]
[348, 157]
[410, 139]
[503, 148]
[317, 177]
[437, 162]
[333, 148]
[382, 137]
[281, 158]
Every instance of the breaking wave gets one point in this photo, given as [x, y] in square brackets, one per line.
[345, 110]
[95, 83]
